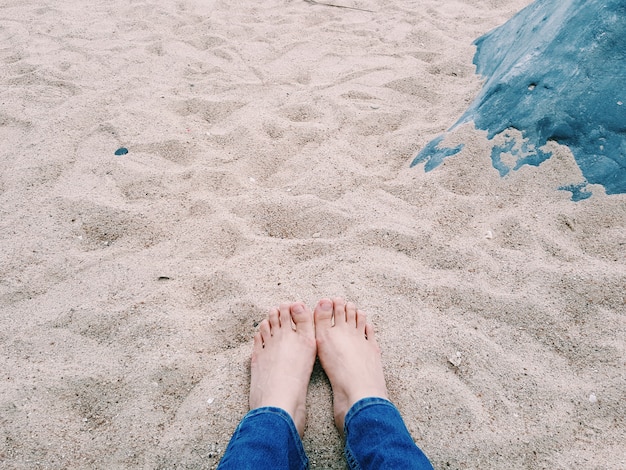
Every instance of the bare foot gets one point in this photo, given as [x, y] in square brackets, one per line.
[349, 355]
[282, 361]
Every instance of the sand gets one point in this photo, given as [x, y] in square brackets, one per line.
[269, 146]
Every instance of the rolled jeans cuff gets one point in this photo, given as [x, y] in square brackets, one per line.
[265, 438]
[377, 438]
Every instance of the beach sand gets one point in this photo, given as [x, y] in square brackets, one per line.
[269, 146]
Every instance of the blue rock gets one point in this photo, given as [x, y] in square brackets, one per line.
[121, 151]
[555, 72]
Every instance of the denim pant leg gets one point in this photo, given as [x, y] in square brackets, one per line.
[376, 437]
[265, 438]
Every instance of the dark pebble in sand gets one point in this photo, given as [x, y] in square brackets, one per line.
[121, 151]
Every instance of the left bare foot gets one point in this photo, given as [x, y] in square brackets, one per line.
[282, 361]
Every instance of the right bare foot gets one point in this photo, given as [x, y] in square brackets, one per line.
[349, 355]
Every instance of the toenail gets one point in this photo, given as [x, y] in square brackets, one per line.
[297, 309]
[326, 305]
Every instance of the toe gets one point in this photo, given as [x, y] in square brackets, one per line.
[369, 333]
[273, 319]
[340, 311]
[303, 318]
[361, 320]
[265, 331]
[284, 315]
[323, 315]
[258, 341]
[351, 314]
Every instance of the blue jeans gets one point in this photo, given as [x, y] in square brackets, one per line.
[376, 437]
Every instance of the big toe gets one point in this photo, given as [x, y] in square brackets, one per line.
[323, 314]
[303, 318]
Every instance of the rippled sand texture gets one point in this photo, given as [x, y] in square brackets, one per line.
[269, 150]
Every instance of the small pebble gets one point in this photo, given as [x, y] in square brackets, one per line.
[456, 359]
[593, 398]
[121, 151]
[489, 235]
[210, 400]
